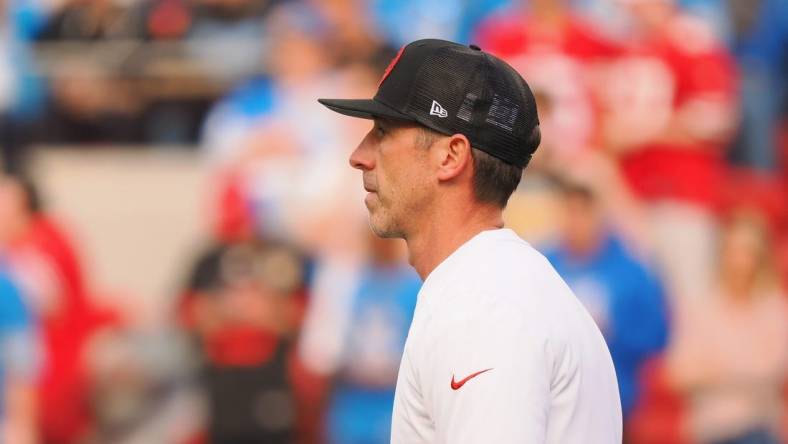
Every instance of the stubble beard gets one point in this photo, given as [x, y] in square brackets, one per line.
[383, 223]
[386, 232]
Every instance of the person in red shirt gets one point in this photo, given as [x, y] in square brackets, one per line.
[44, 262]
[670, 104]
[560, 53]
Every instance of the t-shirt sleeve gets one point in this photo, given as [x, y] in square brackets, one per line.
[490, 383]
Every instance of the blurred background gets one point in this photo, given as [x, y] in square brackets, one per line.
[184, 250]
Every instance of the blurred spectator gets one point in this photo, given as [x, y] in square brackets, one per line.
[730, 357]
[559, 53]
[621, 293]
[42, 260]
[283, 152]
[244, 308]
[380, 312]
[281, 160]
[38, 252]
[670, 111]
[296, 60]
[19, 365]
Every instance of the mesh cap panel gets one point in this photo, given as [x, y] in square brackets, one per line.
[484, 99]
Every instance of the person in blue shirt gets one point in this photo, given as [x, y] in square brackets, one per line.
[19, 363]
[359, 411]
[618, 289]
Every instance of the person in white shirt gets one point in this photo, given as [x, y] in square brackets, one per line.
[500, 350]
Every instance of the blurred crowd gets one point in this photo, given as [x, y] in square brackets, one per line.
[660, 194]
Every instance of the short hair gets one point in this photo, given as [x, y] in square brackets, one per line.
[494, 180]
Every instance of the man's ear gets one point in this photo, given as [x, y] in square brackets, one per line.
[453, 157]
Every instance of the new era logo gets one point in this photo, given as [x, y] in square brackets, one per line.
[437, 110]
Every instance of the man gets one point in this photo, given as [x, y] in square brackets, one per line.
[499, 350]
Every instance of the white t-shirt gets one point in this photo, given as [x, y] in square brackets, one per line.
[501, 351]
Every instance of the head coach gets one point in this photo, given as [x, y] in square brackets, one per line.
[500, 350]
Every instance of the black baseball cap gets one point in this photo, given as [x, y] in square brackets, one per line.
[453, 88]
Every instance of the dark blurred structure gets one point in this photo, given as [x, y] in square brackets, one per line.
[165, 63]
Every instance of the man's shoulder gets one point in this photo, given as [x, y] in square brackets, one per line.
[505, 248]
[507, 264]
[501, 261]
[512, 263]
[504, 278]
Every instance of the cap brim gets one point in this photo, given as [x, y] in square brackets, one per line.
[364, 108]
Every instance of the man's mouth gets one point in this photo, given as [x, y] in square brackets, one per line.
[368, 183]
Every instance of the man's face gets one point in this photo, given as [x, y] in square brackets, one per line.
[395, 167]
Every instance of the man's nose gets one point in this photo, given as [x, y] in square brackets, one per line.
[362, 158]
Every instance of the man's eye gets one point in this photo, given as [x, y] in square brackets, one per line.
[379, 130]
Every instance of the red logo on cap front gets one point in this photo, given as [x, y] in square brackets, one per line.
[391, 66]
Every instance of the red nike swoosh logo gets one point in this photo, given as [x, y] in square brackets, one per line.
[456, 385]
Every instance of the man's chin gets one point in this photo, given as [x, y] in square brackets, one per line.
[383, 231]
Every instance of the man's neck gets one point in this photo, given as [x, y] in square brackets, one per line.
[439, 237]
